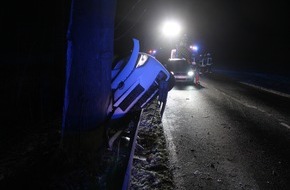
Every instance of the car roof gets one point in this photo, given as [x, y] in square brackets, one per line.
[178, 65]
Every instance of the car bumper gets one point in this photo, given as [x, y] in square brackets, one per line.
[182, 78]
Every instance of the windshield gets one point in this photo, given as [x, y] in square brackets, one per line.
[178, 65]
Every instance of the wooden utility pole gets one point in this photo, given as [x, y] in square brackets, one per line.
[88, 74]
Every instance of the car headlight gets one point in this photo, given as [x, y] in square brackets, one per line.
[172, 72]
[190, 73]
[142, 59]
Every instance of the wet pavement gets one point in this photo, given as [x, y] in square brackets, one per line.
[226, 135]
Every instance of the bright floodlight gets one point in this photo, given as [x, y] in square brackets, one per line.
[171, 28]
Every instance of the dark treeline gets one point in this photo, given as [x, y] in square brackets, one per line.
[32, 63]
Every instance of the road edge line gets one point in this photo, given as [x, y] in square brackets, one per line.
[267, 90]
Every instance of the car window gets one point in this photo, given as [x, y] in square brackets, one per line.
[178, 65]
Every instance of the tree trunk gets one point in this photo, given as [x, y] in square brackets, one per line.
[88, 74]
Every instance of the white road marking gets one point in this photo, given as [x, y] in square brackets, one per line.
[268, 90]
[285, 125]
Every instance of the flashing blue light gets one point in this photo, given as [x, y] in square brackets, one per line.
[194, 48]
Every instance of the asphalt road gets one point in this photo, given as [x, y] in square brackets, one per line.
[226, 135]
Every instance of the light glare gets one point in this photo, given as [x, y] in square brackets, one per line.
[194, 48]
[190, 73]
[171, 29]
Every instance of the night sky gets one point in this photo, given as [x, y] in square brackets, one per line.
[250, 34]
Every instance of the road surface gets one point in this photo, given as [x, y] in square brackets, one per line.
[226, 135]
